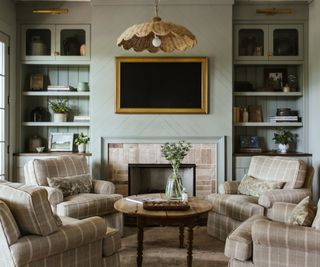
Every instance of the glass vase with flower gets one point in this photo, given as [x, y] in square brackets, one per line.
[175, 153]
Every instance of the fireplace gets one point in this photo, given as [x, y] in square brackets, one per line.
[152, 178]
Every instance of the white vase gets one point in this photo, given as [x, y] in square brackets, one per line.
[82, 148]
[283, 148]
[59, 117]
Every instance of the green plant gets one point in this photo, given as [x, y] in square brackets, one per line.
[59, 106]
[82, 139]
[283, 136]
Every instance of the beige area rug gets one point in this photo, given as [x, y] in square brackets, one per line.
[161, 248]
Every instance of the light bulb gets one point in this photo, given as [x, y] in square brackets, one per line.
[156, 41]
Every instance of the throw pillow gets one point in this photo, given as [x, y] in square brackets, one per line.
[72, 185]
[302, 214]
[255, 187]
[316, 221]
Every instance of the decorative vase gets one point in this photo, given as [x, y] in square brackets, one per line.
[38, 48]
[82, 148]
[174, 186]
[59, 117]
[283, 148]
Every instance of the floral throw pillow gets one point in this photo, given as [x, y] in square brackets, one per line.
[255, 187]
[302, 214]
[72, 185]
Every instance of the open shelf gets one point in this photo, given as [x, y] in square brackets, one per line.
[55, 93]
[267, 94]
[272, 153]
[57, 124]
[51, 154]
[268, 124]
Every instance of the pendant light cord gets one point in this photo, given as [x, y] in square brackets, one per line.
[156, 7]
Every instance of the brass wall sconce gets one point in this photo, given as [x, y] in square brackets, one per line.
[273, 11]
[51, 11]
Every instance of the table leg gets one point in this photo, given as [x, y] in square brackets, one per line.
[190, 245]
[140, 224]
[181, 235]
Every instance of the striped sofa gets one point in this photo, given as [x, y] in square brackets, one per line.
[32, 236]
[266, 242]
[231, 208]
[84, 205]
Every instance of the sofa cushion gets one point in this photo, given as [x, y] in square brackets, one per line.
[316, 221]
[86, 205]
[302, 214]
[238, 207]
[72, 185]
[289, 170]
[9, 225]
[38, 170]
[111, 242]
[255, 187]
[239, 242]
[30, 208]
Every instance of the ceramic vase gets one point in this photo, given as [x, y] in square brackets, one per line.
[59, 117]
[82, 148]
[283, 148]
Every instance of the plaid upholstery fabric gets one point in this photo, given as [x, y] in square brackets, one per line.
[237, 263]
[316, 221]
[238, 207]
[220, 226]
[111, 242]
[239, 242]
[55, 196]
[283, 195]
[229, 187]
[292, 171]
[87, 205]
[32, 248]
[103, 187]
[115, 220]
[281, 211]
[277, 244]
[37, 171]
[111, 261]
[31, 209]
[8, 224]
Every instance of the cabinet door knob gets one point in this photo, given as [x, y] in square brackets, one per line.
[56, 53]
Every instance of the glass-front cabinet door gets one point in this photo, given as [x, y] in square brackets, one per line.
[251, 42]
[38, 42]
[73, 42]
[286, 42]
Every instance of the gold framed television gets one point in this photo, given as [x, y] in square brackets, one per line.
[156, 85]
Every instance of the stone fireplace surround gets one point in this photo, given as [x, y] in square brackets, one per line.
[208, 153]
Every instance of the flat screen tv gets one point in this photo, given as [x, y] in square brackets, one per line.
[161, 85]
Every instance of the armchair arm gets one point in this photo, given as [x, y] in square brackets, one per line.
[55, 196]
[281, 211]
[283, 195]
[103, 187]
[279, 235]
[229, 187]
[32, 247]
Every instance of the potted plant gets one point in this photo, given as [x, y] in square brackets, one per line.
[283, 138]
[175, 153]
[60, 109]
[81, 141]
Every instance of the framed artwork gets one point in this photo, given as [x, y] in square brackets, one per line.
[36, 82]
[61, 142]
[255, 113]
[250, 143]
[275, 78]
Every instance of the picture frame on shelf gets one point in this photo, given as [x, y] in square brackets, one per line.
[250, 143]
[62, 142]
[37, 82]
[275, 78]
[255, 113]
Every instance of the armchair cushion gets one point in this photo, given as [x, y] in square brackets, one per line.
[238, 207]
[111, 242]
[31, 209]
[87, 205]
[55, 196]
[281, 211]
[316, 221]
[103, 187]
[32, 248]
[303, 213]
[239, 242]
[283, 195]
[72, 185]
[229, 187]
[255, 187]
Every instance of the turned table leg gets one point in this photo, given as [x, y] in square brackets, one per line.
[181, 235]
[190, 245]
[140, 224]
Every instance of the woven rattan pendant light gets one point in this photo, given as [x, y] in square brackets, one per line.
[157, 35]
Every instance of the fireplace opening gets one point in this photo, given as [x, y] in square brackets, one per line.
[152, 178]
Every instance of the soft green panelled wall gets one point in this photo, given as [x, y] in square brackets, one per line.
[212, 24]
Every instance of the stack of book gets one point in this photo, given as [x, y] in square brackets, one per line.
[60, 88]
[81, 118]
[284, 119]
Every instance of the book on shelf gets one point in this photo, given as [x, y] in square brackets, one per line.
[81, 118]
[284, 119]
[251, 150]
[60, 88]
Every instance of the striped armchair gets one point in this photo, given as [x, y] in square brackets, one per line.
[263, 242]
[31, 235]
[84, 205]
[230, 208]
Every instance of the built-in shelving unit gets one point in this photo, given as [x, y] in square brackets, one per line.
[268, 124]
[56, 124]
[55, 93]
[280, 94]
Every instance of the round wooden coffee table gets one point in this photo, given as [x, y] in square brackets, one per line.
[188, 218]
